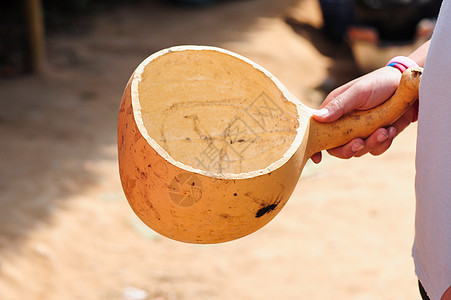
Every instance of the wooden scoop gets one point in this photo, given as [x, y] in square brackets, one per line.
[211, 145]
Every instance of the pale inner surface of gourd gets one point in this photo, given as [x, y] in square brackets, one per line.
[215, 112]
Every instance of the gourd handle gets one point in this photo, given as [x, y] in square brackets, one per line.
[361, 124]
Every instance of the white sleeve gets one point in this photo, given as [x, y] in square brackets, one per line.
[432, 245]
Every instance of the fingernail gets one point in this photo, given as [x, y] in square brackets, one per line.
[392, 132]
[382, 137]
[357, 147]
[321, 112]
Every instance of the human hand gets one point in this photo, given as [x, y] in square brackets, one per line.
[364, 93]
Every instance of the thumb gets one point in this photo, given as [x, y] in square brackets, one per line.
[333, 110]
[343, 101]
[362, 93]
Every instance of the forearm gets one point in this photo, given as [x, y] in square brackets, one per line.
[419, 55]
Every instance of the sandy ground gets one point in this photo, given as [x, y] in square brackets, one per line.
[67, 232]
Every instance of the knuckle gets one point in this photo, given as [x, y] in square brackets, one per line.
[338, 104]
[347, 152]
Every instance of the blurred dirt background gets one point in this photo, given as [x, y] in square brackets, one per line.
[67, 232]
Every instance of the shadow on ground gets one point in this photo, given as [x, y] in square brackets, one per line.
[343, 67]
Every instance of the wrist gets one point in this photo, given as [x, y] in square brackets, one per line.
[402, 63]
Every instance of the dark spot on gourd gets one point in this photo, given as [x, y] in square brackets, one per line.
[263, 211]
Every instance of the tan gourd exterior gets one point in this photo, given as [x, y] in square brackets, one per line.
[230, 198]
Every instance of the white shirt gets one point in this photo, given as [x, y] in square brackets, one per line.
[432, 245]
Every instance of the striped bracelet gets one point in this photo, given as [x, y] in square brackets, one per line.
[401, 63]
